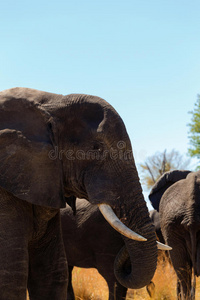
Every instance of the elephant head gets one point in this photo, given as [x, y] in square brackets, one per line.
[54, 147]
[164, 182]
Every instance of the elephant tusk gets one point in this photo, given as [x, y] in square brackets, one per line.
[113, 220]
[163, 246]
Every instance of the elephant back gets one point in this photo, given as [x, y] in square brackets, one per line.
[164, 182]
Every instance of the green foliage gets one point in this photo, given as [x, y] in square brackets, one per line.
[194, 137]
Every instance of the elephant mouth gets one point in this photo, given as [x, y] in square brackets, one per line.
[114, 221]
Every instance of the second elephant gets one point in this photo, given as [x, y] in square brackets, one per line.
[154, 215]
[177, 194]
[90, 242]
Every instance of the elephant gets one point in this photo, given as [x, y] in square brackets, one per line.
[90, 242]
[154, 215]
[163, 257]
[179, 209]
[54, 148]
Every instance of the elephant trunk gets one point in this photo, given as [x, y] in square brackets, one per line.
[136, 263]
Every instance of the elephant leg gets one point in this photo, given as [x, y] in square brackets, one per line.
[70, 291]
[116, 290]
[182, 265]
[48, 270]
[184, 281]
[15, 232]
[119, 291]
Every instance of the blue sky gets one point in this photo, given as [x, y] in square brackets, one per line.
[141, 56]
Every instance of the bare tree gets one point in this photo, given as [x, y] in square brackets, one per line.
[159, 163]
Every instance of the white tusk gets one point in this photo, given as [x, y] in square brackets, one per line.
[163, 246]
[113, 220]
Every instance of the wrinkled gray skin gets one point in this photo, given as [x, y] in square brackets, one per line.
[51, 147]
[154, 215]
[180, 223]
[90, 242]
[163, 256]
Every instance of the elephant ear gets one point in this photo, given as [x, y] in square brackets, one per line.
[165, 181]
[27, 169]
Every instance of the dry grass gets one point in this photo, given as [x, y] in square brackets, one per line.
[89, 285]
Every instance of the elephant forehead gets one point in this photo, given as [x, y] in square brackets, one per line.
[93, 110]
[76, 114]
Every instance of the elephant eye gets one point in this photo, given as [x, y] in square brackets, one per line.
[98, 147]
